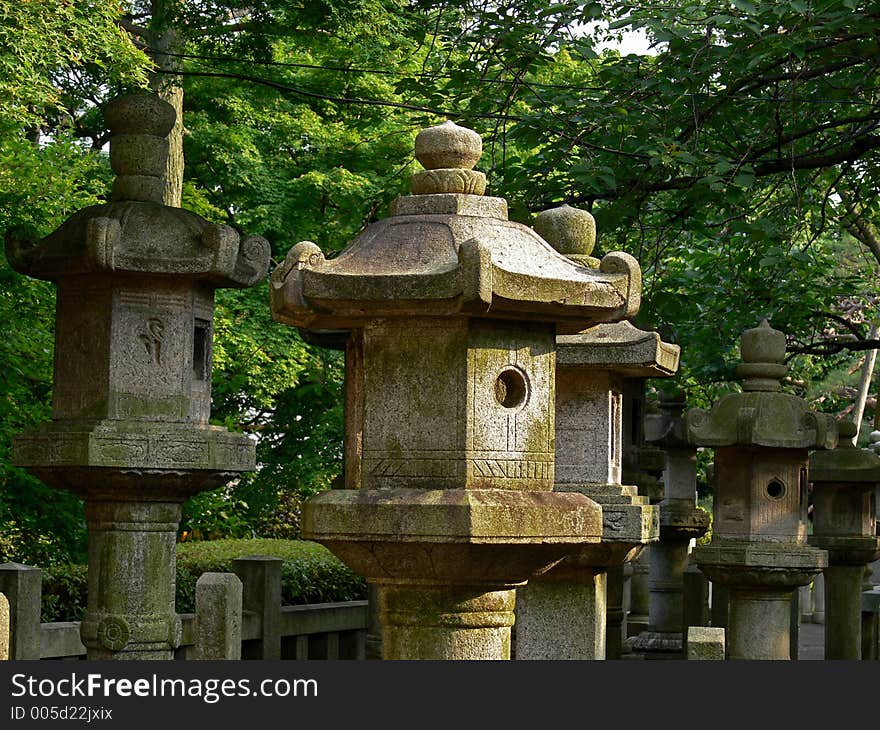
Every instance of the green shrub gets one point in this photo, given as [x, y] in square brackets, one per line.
[310, 574]
[64, 593]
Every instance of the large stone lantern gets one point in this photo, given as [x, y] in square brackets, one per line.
[450, 374]
[759, 549]
[844, 523]
[132, 384]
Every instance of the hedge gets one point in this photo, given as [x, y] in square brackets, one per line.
[310, 574]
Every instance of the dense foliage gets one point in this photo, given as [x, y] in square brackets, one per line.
[737, 160]
[309, 574]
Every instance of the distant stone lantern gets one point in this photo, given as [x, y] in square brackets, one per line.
[132, 385]
[450, 375]
[759, 545]
[844, 523]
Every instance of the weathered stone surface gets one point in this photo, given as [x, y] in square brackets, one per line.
[132, 386]
[479, 535]
[448, 146]
[562, 618]
[486, 423]
[445, 622]
[621, 348]
[450, 385]
[4, 628]
[136, 234]
[761, 416]
[260, 577]
[705, 643]
[22, 586]
[218, 616]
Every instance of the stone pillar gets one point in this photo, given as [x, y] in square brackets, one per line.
[465, 622]
[373, 645]
[562, 616]
[705, 643]
[615, 612]
[260, 577]
[696, 597]
[759, 545]
[680, 522]
[451, 313]
[871, 624]
[127, 541]
[844, 524]
[23, 588]
[818, 598]
[4, 628]
[132, 387]
[218, 616]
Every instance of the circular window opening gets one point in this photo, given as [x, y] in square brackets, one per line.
[511, 388]
[775, 489]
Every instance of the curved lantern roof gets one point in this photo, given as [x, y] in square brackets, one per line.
[448, 250]
[135, 233]
[761, 415]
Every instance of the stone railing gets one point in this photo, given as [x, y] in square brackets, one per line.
[238, 615]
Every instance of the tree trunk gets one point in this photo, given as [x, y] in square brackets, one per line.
[165, 40]
[864, 386]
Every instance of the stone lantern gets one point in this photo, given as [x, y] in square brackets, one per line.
[759, 545]
[680, 522]
[562, 613]
[132, 385]
[844, 523]
[450, 374]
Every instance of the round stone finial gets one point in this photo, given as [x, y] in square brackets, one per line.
[763, 350]
[763, 344]
[139, 126]
[448, 152]
[447, 146]
[846, 431]
[140, 114]
[571, 231]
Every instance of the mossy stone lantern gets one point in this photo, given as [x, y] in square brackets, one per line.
[845, 481]
[759, 550]
[132, 384]
[562, 614]
[452, 311]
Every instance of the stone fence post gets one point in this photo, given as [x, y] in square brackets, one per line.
[4, 628]
[218, 616]
[23, 587]
[703, 642]
[261, 594]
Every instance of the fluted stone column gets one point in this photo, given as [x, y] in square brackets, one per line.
[759, 545]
